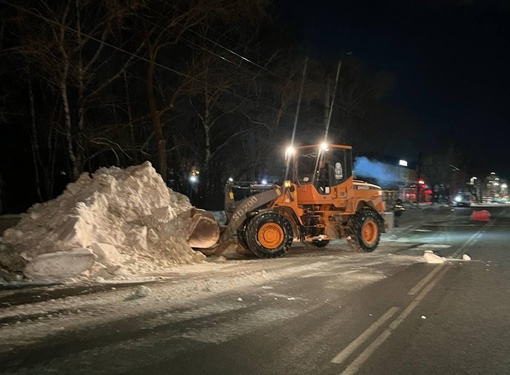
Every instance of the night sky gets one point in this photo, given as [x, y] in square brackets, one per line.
[450, 60]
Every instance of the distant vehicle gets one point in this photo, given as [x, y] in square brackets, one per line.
[462, 199]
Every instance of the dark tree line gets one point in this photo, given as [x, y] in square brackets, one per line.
[190, 85]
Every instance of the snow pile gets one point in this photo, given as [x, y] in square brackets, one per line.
[117, 222]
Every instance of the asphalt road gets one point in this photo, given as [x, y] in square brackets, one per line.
[326, 311]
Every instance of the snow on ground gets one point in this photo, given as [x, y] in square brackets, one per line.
[188, 285]
[114, 223]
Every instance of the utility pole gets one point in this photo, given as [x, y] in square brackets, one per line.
[327, 103]
[453, 185]
[328, 120]
[330, 101]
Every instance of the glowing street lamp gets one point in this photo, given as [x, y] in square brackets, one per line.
[193, 180]
[289, 152]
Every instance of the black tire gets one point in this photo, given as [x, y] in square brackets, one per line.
[241, 233]
[241, 239]
[269, 235]
[364, 231]
[320, 244]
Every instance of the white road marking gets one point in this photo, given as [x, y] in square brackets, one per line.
[358, 362]
[471, 240]
[364, 336]
[428, 246]
[423, 281]
[425, 285]
[433, 245]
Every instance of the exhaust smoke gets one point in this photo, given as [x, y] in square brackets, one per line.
[382, 174]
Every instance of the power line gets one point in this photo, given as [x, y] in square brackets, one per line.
[97, 39]
[232, 52]
[220, 45]
[125, 51]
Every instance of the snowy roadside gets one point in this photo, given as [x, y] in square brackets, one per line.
[27, 323]
[133, 260]
[113, 223]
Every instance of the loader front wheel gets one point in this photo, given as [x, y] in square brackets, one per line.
[269, 235]
[364, 231]
[243, 247]
[241, 237]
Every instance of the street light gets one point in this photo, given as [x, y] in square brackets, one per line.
[193, 180]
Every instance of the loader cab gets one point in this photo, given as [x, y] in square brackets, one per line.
[322, 166]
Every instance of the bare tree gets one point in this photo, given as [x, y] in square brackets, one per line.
[165, 25]
[446, 167]
[72, 46]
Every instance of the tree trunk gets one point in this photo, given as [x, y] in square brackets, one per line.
[34, 141]
[68, 129]
[130, 114]
[161, 166]
[75, 168]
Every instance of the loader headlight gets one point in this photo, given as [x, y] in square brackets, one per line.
[289, 152]
[287, 183]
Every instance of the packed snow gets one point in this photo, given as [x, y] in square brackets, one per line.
[119, 229]
[113, 223]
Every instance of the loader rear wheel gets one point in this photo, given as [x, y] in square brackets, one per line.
[269, 235]
[365, 231]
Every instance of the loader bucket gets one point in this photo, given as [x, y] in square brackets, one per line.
[204, 230]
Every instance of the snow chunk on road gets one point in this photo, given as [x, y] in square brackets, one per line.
[430, 257]
[127, 221]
